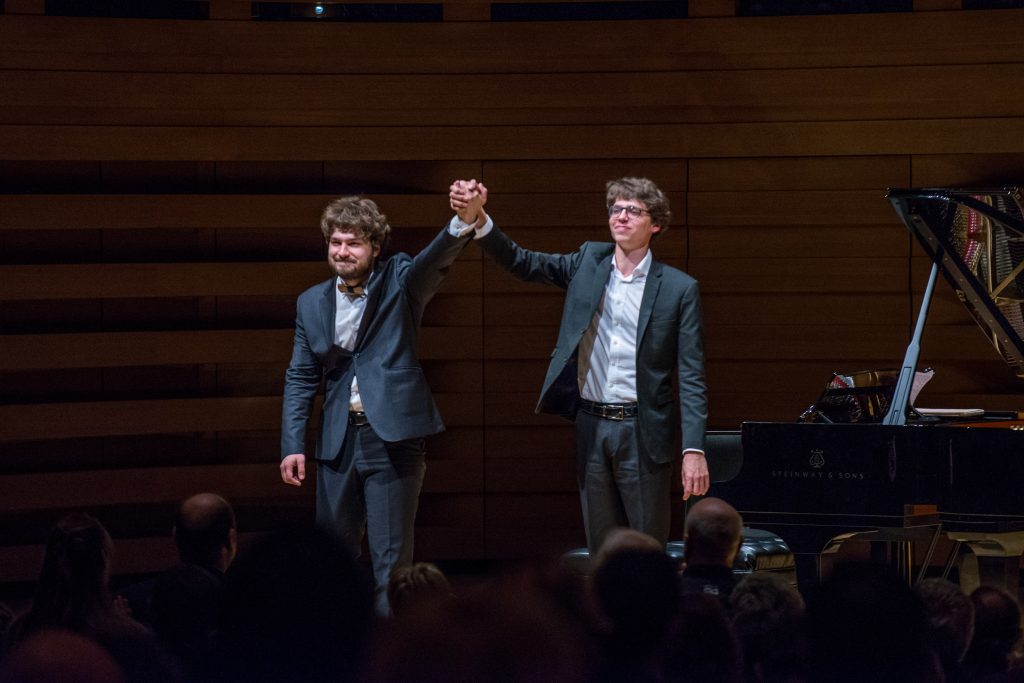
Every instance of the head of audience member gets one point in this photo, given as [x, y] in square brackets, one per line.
[713, 531]
[997, 631]
[865, 623]
[767, 614]
[297, 606]
[566, 593]
[205, 531]
[950, 616]
[421, 583]
[637, 591]
[185, 610]
[57, 655]
[623, 538]
[506, 630]
[701, 644]
[73, 587]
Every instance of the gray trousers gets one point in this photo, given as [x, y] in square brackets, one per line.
[619, 486]
[373, 487]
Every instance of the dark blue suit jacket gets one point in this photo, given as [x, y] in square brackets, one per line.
[669, 338]
[394, 392]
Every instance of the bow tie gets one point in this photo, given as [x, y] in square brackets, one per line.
[353, 291]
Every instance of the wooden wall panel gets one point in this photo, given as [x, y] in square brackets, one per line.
[451, 526]
[799, 275]
[830, 94]
[537, 525]
[169, 416]
[831, 248]
[260, 212]
[967, 170]
[98, 349]
[510, 47]
[167, 485]
[151, 280]
[558, 176]
[370, 142]
[161, 184]
[814, 308]
[799, 174]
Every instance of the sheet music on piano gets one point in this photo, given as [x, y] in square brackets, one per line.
[865, 397]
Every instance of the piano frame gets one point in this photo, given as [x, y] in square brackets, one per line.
[906, 480]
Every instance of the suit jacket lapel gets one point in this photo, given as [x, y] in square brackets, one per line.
[376, 286]
[602, 271]
[647, 302]
[328, 307]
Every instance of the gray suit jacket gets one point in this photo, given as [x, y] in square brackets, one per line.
[394, 392]
[669, 333]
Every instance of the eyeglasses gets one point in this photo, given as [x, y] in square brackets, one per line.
[632, 211]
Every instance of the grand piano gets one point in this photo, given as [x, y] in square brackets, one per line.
[863, 464]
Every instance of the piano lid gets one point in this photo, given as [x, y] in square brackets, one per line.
[977, 238]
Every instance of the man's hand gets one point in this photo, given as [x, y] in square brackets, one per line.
[293, 469]
[696, 480]
[467, 199]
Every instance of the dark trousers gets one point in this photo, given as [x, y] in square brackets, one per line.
[619, 486]
[373, 487]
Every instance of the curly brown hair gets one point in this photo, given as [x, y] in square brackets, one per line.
[358, 215]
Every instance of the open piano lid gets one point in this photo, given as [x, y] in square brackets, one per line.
[977, 238]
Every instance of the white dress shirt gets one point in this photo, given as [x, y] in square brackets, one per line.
[347, 318]
[607, 355]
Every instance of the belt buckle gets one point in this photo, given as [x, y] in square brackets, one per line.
[617, 413]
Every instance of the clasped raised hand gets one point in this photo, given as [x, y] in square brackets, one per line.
[467, 199]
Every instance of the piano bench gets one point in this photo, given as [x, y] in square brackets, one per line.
[760, 551]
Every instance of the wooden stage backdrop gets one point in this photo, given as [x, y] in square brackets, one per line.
[161, 182]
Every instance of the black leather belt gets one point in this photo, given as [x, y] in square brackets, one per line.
[357, 418]
[609, 411]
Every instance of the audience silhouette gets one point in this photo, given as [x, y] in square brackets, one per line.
[60, 656]
[205, 537]
[509, 630]
[623, 538]
[702, 643]
[950, 616]
[637, 591]
[420, 585]
[296, 606]
[865, 623]
[997, 635]
[73, 594]
[205, 532]
[712, 533]
[769, 617]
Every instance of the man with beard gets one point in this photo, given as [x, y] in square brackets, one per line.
[358, 332]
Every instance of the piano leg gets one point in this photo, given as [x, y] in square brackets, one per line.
[994, 559]
[893, 546]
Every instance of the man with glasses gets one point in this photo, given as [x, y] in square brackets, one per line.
[630, 326]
